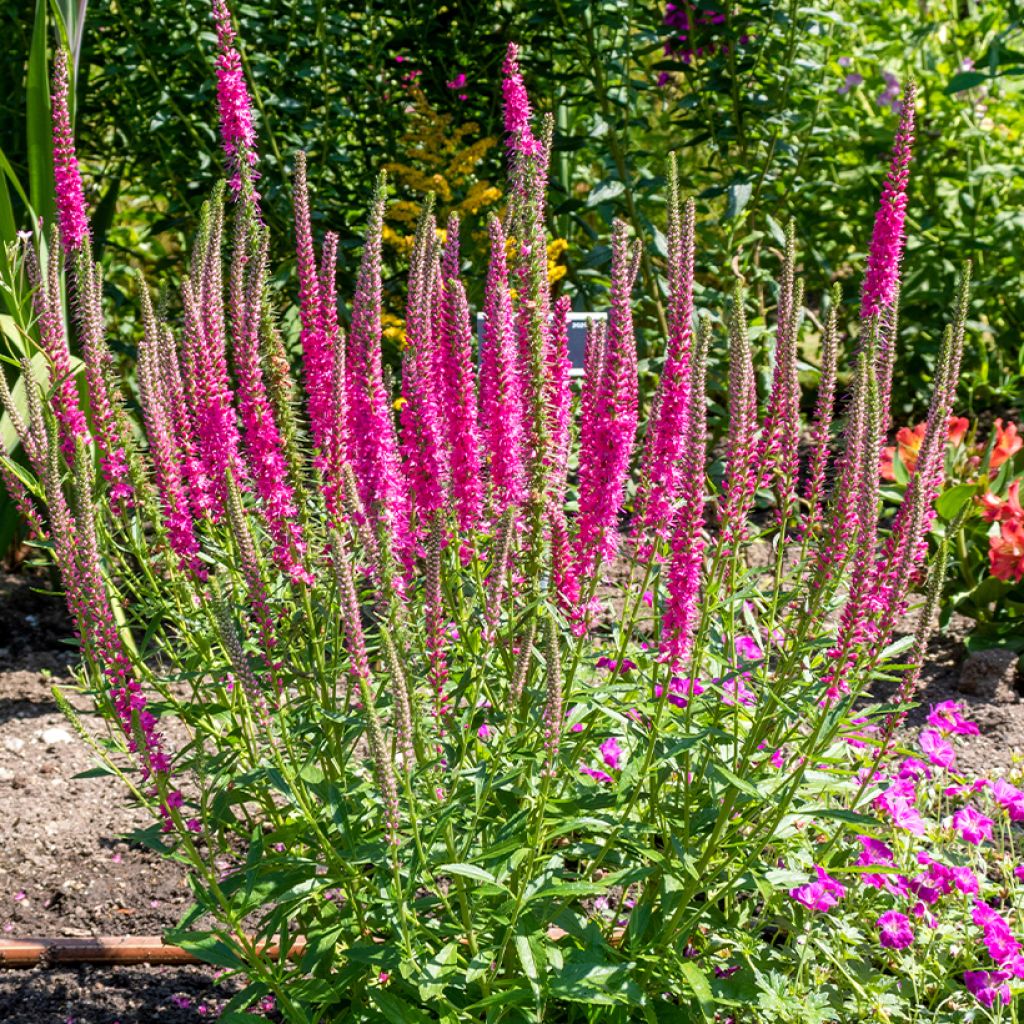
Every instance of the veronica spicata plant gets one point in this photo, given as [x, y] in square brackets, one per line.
[440, 728]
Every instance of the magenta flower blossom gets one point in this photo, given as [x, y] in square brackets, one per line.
[972, 826]
[237, 132]
[71, 216]
[612, 754]
[748, 649]
[988, 987]
[680, 690]
[999, 940]
[820, 895]
[937, 749]
[735, 691]
[898, 802]
[875, 853]
[596, 774]
[894, 930]
[947, 717]
[1009, 798]
[886, 252]
[965, 880]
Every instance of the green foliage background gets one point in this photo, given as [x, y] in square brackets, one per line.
[763, 129]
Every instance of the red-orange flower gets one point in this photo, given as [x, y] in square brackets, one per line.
[958, 426]
[909, 443]
[998, 510]
[1006, 551]
[1008, 443]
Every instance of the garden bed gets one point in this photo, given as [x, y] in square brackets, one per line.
[67, 869]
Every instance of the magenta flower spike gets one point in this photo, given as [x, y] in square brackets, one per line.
[316, 348]
[559, 397]
[77, 555]
[661, 466]
[98, 362]
[237, 132]
[422, 441]
[741, 465]
[71, 216]
[518, 113]
[501, 403]
[374, 451]
[879, 297]
[167, 464]
[777, 452]
[608, 445]
[687, 544]
[463, 428]
[881, 278]
[267, 464]
[46, 300]
[334, 425]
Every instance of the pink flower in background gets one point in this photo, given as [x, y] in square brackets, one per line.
[988, 987]
[596, 773]
[680, 690]
[894, 930]
[748, 649]
[820, 895]
[735, 691]
[973, 826]
[947, 718]
[937, 749]
[611, 753]
[458, 81]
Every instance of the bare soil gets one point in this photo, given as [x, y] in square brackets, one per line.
[67, 870]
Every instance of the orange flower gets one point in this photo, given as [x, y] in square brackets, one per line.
[996, 510]
[909, 443]
[958, 426]
[1006, 551]
[1008, 443]
[886, 467]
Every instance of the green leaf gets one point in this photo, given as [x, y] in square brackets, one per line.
[208, 947]
[37, 125]
[965, 80]
[731, 778]
[605, 192]
[738, 193]
[698, 983]
[950, 502]
[469, 871]
[396, 1009]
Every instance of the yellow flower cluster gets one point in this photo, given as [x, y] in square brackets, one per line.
[438, 158]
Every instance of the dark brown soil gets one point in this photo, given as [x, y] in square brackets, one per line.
[66, 870]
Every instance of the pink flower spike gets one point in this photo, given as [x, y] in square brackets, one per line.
[883, 269]
[236, 123]
[71, 216]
